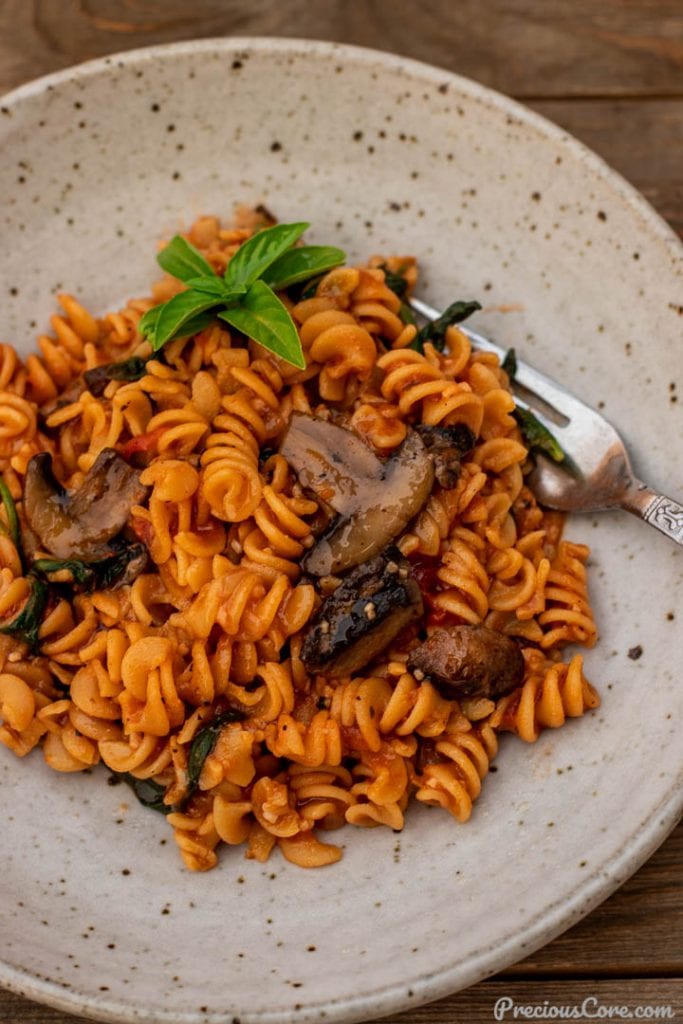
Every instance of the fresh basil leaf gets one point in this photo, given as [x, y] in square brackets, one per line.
[12, 518]
[196, 324]
[176, 313]
[215, 286]
[301, 264]
[147, 324]
[27, 623]
[255, 255]
[435, 332]
[180, 259]
[509, 364]
[263, 317]
[203, 743]
[149, 793]
[538, 436]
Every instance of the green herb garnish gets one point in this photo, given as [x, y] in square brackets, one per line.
[204, 742]
[538, 437]
[301, 264]
[435, 332]
[27, 623]
[149, 793]
[509, 364]
[244, 297]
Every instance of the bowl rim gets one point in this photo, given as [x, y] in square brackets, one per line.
[605, 878]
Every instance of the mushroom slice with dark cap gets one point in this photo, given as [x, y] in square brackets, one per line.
[468, 661]
[374, 500]
[79, 524]
[367, 610]
[447, 446]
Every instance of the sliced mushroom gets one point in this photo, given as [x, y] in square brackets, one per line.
[79, 524]
[447, 446]
[375, 500]
[70, 394]
[469, 661]
[363, 615]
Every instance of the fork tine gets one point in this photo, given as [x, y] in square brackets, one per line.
[533, 380]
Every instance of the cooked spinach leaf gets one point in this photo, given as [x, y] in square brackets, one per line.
[538, 437]
[399, 286]
[204, 742]
[27, 623]
[13, 528]
[396, 282]
[127, 370]
[98, 575]
[406, 314]
[435, 332]
[149, 793]
[509, 364]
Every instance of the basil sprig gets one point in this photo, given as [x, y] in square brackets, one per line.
[245, 296]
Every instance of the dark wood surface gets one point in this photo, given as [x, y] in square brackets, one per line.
[611, 72]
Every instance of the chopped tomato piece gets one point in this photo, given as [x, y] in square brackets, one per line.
[143, 444]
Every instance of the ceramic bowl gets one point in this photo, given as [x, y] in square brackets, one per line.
[382, 155]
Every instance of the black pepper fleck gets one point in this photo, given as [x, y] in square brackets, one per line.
[635, 652]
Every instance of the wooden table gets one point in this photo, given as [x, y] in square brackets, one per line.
[611, 72]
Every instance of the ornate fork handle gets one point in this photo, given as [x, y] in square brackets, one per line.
[663, 513]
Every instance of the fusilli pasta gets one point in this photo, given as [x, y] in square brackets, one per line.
[191, 679]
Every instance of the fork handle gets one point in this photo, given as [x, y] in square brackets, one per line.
[663, 513]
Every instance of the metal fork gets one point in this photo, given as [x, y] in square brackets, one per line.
[601, 476]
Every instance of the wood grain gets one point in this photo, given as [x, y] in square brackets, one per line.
[527, 48]
[611, 73]
[474, 1006]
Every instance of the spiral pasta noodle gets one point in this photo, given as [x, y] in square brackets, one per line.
[189, 678]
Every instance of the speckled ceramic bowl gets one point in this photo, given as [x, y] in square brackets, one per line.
[381, 154]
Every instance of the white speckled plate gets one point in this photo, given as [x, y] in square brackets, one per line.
[382, 155]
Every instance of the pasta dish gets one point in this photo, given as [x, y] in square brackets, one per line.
[268, 553]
